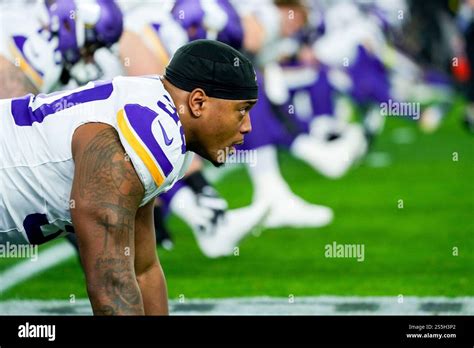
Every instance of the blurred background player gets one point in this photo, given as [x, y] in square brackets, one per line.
[280, 25]
[56, 46]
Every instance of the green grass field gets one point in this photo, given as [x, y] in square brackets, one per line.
[408, 251]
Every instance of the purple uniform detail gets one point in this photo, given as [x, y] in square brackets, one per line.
[190, 15]
[385, 24]
[174, 115]
[156, 27]
[24, 115]
[233, 33]
[60, 12]
[105, 32]
[141, 119]
[32, 225]
[271, 125]
[19, 42]
[274, 125]
[109, 27]
[168, 141]
[167, 196]
[437, 78]
[369, 78]
[321, 93]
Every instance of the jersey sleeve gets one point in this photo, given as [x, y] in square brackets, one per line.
[29, 48]
[154, 142]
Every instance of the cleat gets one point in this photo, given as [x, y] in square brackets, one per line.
[292, 211]
[334, 155]
[222, 237]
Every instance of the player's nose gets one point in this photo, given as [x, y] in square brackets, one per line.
[246, 125]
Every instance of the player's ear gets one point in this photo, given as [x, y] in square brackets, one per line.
[197, 99]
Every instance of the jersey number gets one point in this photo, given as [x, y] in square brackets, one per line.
[37, 224]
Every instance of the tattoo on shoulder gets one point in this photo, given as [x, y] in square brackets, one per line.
[105, 163]
[108, 182]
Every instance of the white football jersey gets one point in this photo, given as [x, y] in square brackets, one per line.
[36, 164]
[25, 44]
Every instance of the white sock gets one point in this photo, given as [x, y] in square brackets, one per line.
[265, 175]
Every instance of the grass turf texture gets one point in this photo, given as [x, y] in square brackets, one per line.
[408, 251]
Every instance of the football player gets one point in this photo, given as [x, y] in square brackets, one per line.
[91, 161]
[152, 33]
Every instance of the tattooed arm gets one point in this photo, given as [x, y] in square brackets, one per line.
[107, 192]
[149, 273]
[13, 81]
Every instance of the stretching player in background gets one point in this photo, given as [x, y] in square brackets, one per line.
[56, 45]
[95, 166]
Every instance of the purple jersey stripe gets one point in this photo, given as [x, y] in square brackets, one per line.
[141, 119]
[19, 42]
[174, 115]
[25, 116]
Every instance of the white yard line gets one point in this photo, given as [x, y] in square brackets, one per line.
[319, 305]
[28, 268]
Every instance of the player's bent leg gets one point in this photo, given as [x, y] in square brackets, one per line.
[216, 229]
[286, 209]
[163, 236]
[234, 226]
[330, 149]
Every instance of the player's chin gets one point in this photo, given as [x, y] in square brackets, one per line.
[217, 158]
[217, 164]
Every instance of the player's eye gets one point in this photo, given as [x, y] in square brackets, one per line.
[244, 110]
